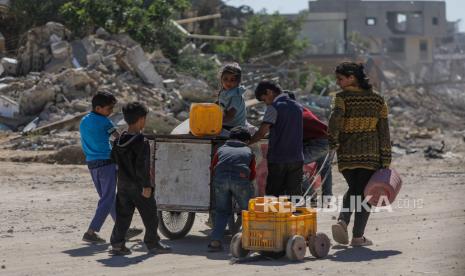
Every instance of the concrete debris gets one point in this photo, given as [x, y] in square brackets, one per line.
[38, 50]
[33, 100]
[10, 66]
[144, 69]
[102, 33]
[45, 142]
[60, 49]
[160, 122]
[8, 107]
[31, 126]
[70, 154]
[53, 79]
[169, 84]
[195, 90]
[433, 152]
[4, 128]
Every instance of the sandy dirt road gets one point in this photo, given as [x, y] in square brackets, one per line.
[46, 208]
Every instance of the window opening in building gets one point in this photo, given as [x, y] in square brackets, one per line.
[370, 21]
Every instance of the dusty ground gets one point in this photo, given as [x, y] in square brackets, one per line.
[46, 208]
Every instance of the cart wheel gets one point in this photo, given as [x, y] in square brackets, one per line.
[175, 225]
[236, 247]
[319, 245]
[296, 248]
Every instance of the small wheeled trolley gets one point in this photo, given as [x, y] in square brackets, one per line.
[278, 228]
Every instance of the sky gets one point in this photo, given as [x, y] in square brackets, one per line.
[455, 8]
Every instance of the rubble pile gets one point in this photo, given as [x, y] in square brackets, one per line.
[53, 79]
[424, 117]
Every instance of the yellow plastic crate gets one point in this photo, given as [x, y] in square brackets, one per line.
[269, 231]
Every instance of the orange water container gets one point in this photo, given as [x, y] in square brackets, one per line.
[384, 183]
[205, 119]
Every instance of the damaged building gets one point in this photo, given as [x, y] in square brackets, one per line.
[406, 31]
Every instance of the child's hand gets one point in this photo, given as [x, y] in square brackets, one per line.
[147, 192]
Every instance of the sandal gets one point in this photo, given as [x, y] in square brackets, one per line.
[120, 250]
[361, 242]
[339, 231]
[215, 246]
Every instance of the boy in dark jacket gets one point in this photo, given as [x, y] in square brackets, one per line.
[131, 152]
[233, 167]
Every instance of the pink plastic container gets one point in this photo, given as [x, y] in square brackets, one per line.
[384, 183]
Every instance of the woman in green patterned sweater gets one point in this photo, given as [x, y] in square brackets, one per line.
[359, 132]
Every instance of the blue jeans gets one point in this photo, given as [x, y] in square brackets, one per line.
[225, 190]
[104, 179]
[315, 151]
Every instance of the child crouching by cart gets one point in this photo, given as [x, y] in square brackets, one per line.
[233, 169]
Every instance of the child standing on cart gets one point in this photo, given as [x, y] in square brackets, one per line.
[233, 168]
[131, 152]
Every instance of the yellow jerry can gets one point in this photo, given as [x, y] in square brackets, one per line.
[205, 119]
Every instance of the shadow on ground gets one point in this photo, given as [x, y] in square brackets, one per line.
[360, 254]
[88, 250]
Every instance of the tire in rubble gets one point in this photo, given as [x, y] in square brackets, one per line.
[296, 248]
[236, 247]
[175, 225]
[319, 245]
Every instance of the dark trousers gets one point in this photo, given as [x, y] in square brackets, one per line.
[284, 179]
[357, 180]
[126, 202]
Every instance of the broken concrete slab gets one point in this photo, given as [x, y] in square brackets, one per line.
[57, 65]
[79, 52]
[160, 123]
[54, 38]
[93, 60]
[195, 90]
[31, 126]
[67, 123]
[33, 100]
[75, 78]
[80, 106]
[60, 49]
[169, 84]
[10, 65]
[143, 68]
[8, 107]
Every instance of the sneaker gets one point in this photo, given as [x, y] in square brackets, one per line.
[159, 248]
[361, 242]
[93, 238]
[132, 232]
[339, 231]
[120, 250]
[215, 246]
